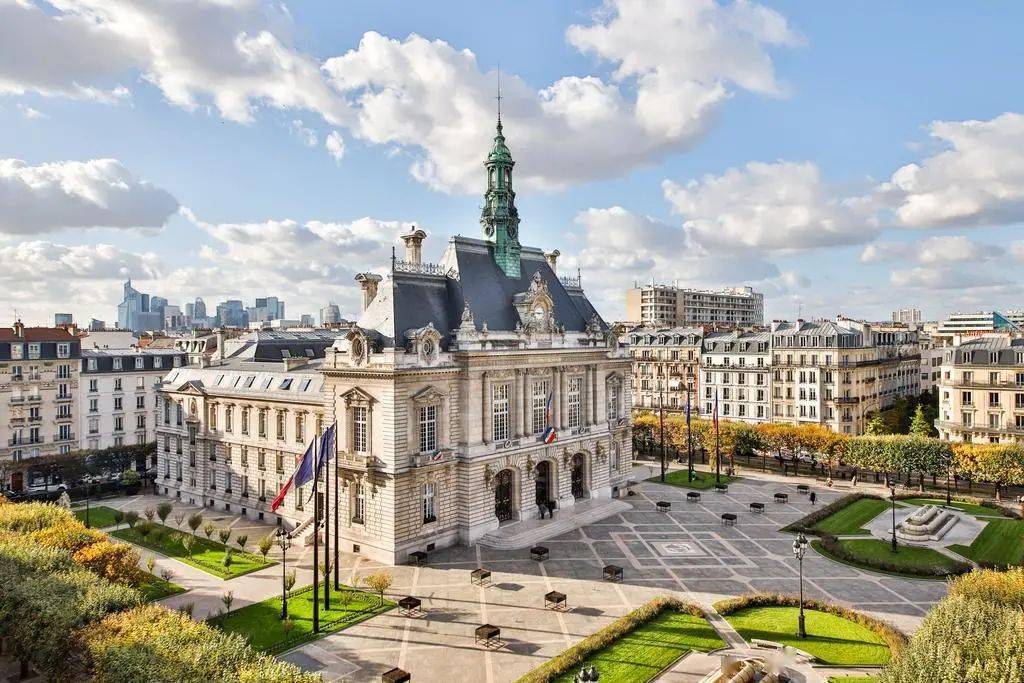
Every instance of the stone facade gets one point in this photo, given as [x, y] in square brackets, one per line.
[666, 360]
[981, 391]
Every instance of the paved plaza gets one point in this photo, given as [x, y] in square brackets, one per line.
[686, 552]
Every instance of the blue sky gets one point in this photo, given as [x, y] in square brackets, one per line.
[218, 189]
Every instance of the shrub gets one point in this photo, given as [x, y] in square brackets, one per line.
[575, 655]
[115, 562]
[379, 582]
[227, 557]
[131, 517]
[118, 516]
[831, 545]
[179, 519]
[130, 478]
[209, 528]
[145, 529]
[187, 543]
[963, 639]
[177, 649]
[70, 535]
[289, 580]
[265, 544]
[893, 638]
[163, 511]
[150, 564]
[224, 535]
[241, 541]
[27, 517]
[150, 513]
[1001, 588]
[227, 599]
[195, 520]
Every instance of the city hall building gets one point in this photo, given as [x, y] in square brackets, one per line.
[443, 391]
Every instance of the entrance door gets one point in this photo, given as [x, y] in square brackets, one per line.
[504, 506]
[18, 481]
[543, 481]
[579, 481]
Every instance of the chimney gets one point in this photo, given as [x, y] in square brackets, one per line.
[368, 283]
[552, 258]
[220, 343]
[19, 329]
[413, 245]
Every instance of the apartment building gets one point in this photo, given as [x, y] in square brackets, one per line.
[671, 306]
[117, 401]
[981, 391]
[736, 370]
[39, 375]
[666, 367]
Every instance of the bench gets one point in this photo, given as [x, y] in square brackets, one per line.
[488, 635]
[781, 497]
[395, 675]
[612, 572]
[728, 519]
[539, 553]
[766, 644]
[663, 506]
[480, 576]
[803, 488]
[409, 606]
[554, 600]
[417, 558]
[693, 497]
[721, 488]
[757, 508]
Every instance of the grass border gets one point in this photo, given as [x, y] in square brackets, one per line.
[830, 547]
[893, 637]
[575, 655]
[207, 567]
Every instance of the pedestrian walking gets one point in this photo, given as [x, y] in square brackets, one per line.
[813, 497]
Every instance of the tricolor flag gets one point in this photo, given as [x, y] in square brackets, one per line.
[304, 461]
[549, 434]
[328, 442]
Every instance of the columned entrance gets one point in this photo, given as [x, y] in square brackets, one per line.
[504, 500]
[543, 479]
[579, 477]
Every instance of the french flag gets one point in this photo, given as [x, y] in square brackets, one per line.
[550, 434]
[302, 469]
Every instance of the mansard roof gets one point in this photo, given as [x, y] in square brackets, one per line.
[468, 274]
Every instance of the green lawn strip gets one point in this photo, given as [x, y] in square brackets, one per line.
[100, 516]
[701, 480]
[154, 588]
[830, 638]
[1001, 542]
[207, 555]
[260, 623]
[852, 518]
[644, 653]
[969, 508]
[881, 550]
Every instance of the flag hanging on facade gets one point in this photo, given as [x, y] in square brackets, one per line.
[301, 460]
[304, 472]
[549, 434]
[328, 442]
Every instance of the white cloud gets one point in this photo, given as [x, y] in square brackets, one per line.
[977, 180]
[783, 206]
[335, 145]
[31, 114]
[946, 249]
[944, 276]
[96, 193]
[306, 135]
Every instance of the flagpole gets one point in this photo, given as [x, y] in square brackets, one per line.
[718, 450]
[337, 541]
[327, 530]
[689, 438]
[316, 543]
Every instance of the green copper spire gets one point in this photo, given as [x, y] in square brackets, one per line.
[500, 218]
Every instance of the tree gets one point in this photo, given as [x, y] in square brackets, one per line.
[179, 518]
[224, 535]
[118, 516]
[876, 426]
[195, 520]
[289, 580]
[209, 528]
[241, 541]
[379, 582]
[163, 511]
[131, 517]
[150, 513]
[227, 599]
[919, 426]
[187, 542]
[265, 544]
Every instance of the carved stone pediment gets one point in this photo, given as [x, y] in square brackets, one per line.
[428, 395]
[357, 395]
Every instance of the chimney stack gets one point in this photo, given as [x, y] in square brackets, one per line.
[19, 329]
[220, 344]
[368, 283]
[413, 245]
[552, 259]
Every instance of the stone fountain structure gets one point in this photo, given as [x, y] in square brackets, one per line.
[928, 523]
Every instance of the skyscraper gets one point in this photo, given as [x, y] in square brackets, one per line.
[330, 314]
[135, 311]
[232, 313]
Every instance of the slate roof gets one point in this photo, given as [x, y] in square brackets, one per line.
[978, 350]
[267, 346]
[37, 334]
[407, 301]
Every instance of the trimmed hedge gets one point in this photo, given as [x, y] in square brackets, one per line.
[831, 546]
[892, 637]
[575, 655]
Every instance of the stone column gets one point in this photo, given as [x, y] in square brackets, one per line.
[483, 407]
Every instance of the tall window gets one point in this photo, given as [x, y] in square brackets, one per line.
[300, 428]
[429, 512]
[428, 428]
[262, 422]
[500, 411]
[539, 405]
[359, 429]
[359, 506]
[574, 398]
[229, 415]
[613, 401]
[280, 425]
[245, 420]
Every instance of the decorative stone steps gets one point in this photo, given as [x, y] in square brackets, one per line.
[530, 532]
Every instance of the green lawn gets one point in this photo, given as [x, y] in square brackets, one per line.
[830, 638]
[1000, 542]
[260, 623]
[969, 508]
[908, 556]
[100, 516]
[642, 654]
[207, 555]
[701, 480]
[852, 518]
[155, 588]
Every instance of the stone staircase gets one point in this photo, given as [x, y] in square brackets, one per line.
[530, 532]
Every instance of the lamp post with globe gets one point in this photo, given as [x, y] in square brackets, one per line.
[799, 550]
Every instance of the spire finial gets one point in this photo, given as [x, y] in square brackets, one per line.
[499, 96]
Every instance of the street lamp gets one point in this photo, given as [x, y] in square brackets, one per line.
[284, 542]
[661, 420]
[892, 497]
[88, 491]
[799, 550]
[689, 433]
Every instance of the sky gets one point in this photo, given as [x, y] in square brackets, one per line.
[843, 158]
